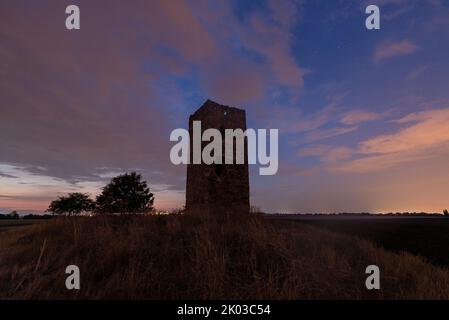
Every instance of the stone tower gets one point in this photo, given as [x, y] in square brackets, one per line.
[217, 188]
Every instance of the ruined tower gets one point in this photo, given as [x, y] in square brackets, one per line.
[217, 188]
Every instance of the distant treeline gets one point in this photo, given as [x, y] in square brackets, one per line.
[14, 215]
[368, 214]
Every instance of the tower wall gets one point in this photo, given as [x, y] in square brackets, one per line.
[215, 188]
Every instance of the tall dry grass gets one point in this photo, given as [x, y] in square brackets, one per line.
[182, 257]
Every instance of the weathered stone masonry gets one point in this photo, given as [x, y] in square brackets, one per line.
[217, 188]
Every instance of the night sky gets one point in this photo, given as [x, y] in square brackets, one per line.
[363, 115]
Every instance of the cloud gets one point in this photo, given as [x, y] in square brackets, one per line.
[425, 136]
[73, 102]
[439, 22]
[252, 55]
[337, 154]
[5, 175]
[273, 42]
[392, 9]
[328, 133]
[242, 83]
[297, 121]
[359, 116]
[430, 128]
[287, 169]
[300, 123]
[315, 150]
[108, 95]
[417, 72]
[377, 163]
[389, 49]
[326, 153]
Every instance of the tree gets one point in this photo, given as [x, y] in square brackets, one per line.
[13, 215]
[445, 212]
[125, 193]
[73, 203]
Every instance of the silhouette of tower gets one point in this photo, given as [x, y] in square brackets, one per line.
[217, 188]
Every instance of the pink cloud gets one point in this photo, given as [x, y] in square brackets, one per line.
[313, 150]
[273, 41]
[233, 76]
[426, 136]
[328, 133]
[430, 129]
[337, 154]
[327, 154]
[244, 82]
[359, 116]
[389, 49]
[376, 163]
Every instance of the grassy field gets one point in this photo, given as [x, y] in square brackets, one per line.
[424, 236]
[6, 224]
[169, 257]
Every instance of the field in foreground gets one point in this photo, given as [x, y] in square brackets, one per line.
[181, 257]
[12, 223]
[426, 236]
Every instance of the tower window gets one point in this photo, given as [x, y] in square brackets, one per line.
[218, 169]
